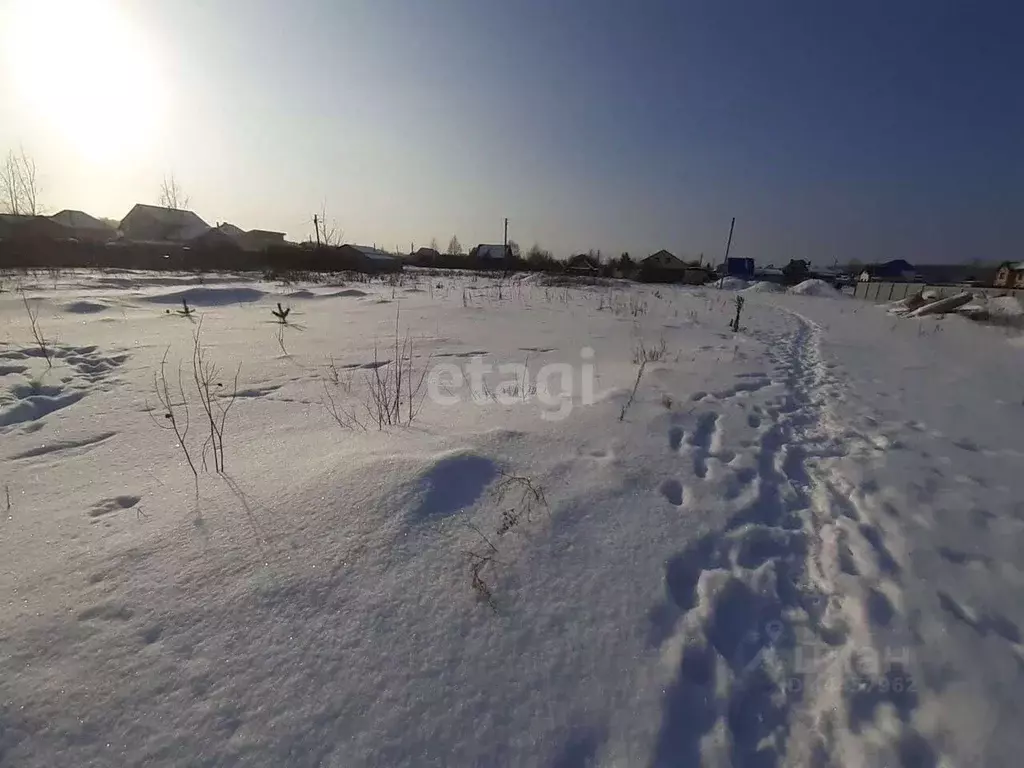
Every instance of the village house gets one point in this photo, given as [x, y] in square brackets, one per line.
[151, 223]
[368, 259]
[1010, 275]
[83, 227]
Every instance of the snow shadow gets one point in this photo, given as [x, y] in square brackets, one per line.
[84, 307]
[454, 483]
[207, 297]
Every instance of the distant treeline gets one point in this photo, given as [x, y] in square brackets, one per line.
[45, 254]
[278, 260]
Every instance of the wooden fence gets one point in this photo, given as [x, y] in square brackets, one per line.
[881, 291]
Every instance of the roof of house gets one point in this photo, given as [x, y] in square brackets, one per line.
[79, 220]
[1013, 266]
[663, 252]
[906, 266]
[485, 251]
[180, 224]
[19, 219]
[894, 267]
[584, 259]
[15, 218]
[265, 233]
[373, 253]
[230, 229]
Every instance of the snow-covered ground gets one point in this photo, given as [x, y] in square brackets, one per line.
[801, 544]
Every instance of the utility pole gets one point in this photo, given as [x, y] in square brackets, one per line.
[506, 235]
[728, 245]
[316, 226]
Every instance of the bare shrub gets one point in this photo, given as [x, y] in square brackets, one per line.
[525, 497]
[344, 416]
[175, 414]
[636, 306]
[392, 393]
[395, 387]
[652, 354]
[480, 563]
[632, 395]
[37, 332]
[519, 497]
[215, 405]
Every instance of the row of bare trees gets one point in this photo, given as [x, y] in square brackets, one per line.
[19, 185]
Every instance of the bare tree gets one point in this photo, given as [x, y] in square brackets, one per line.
[455, 247]
[171, 194]
[19, 187]
[514, 249]
[433, 244]
[328, 232]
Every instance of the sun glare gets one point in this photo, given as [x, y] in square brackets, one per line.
[83, 69]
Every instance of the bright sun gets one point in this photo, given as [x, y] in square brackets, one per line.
[86, 72]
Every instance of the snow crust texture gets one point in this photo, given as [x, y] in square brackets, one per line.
[647, 540]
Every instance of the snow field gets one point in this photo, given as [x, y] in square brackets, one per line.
[785, 552]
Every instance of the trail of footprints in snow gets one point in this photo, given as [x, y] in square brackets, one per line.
[26, 403]
[745, 603]
[705, 442]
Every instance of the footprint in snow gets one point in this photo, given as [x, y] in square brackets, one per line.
[672, 490]
[106, 506]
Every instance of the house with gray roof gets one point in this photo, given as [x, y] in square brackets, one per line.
[151, 223]
[369, 259]
[491, 256]
[81, 226]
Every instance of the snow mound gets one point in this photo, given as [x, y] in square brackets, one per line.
[208, 297]
[1005, 306]
[733, 284]
[814, 287]
[763, 286]
[527, 277]
[347, 292]
[303, 294]
[973, 311]
[84, 307]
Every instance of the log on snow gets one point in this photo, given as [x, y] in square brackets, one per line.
[909, 304]
[943, 305]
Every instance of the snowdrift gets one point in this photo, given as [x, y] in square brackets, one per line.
[1006, 306]
[731, 284]
[815, 287]
[764, 286]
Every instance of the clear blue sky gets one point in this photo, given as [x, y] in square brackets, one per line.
[868, 130]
